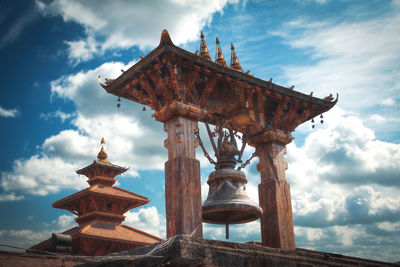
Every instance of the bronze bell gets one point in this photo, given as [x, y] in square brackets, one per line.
[227, 201]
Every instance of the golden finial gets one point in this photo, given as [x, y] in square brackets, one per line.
[102, 155]
[219, 56]
[203, 48]
[234, 59]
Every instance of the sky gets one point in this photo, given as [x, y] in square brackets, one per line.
[344, 173]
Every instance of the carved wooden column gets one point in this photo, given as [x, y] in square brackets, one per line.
[182, 172]
[274, 192]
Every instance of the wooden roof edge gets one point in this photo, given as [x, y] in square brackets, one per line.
[66, 199]
[60, 203]
[167, 45]
[141, 232]
[132, 193]
[95, 163]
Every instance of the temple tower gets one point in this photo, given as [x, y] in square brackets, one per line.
[100, 210]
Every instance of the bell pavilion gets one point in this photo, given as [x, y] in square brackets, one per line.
[99, 210]
[184, 88]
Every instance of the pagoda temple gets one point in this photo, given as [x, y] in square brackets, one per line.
[185, 88]
[99, 211]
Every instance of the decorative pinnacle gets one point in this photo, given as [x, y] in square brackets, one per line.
[219, 56]
[102, 155]
[234, 60]
[203, 48]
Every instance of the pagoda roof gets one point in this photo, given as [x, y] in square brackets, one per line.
[166, 45]
[170, 75]
[117, 232]
[120, 233]
[96, 164]
[105, 191]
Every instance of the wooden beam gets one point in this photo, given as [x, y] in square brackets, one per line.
[161, 86]
[191, 78]
[144, 83]
[173, 83]
[207, 90]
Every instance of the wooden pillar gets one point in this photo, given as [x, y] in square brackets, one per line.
[277, 229]
[182, 178]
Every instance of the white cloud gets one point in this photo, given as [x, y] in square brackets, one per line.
[18, 25]
[57, 114]
[378, 118]
[388, 102]
[124, 130]
[40, 175]
[65, 222]
[148, 220]
[10, 197]
[340, 157]
[123, 24]
[8, 113]
[29, 234]
[25, 238]
[359, 59]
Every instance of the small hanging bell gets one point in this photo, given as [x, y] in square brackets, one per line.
[321, 116]
[312, 121]
[144, 108]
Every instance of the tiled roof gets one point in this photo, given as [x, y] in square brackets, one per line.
[108, 191]
[120, 232]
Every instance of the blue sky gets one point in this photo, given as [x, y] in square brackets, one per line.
[344, 174]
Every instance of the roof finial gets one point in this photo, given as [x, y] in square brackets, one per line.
[234, 59]
[102, 155]
[219, 56]
[203, 48]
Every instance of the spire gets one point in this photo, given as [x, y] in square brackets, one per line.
[102, 155]
[203, 48]
[234, 59]
[219, 56]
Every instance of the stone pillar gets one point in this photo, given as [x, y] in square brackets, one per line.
[277, 229]
[182, 174]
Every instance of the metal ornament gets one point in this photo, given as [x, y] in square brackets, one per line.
[227, 201]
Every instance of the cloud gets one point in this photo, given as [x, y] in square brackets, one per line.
[358, 58]
[365, 241]
[25, 238]
[10, 197]
[123, 24]
[341, 173]
[124, 130]
[148, 220]
[388, 102]
[18, 23]
[8, 113]
[57, 114]
[40, 175]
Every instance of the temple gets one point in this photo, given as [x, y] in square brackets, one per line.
[184, 88]
[99, 211]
